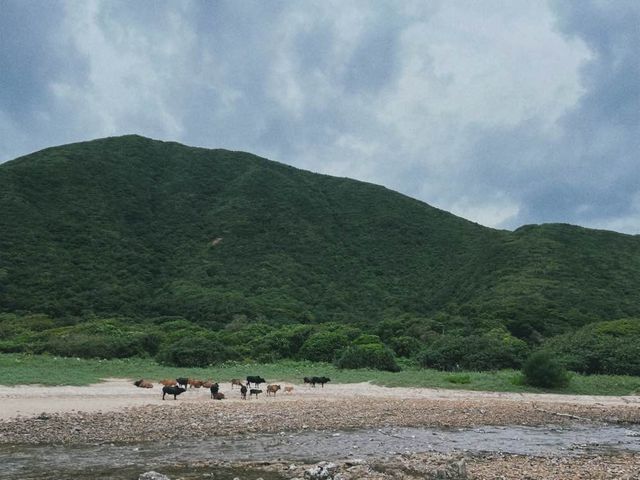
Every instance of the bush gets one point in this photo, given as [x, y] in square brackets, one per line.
[323, 346]
[542, 370]
[372, 355]
[193, 352]
[611, 348]
[96, 346]
[459, 379]
[451, 352]
[405, 346]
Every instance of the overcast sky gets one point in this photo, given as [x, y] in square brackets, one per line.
[503, 112]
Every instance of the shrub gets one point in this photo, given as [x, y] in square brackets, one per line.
[611, 347]
[95, 346]
[193, 352]
[542, 370]
[323, 346]
[450, 352]
[372, 355]
[459, 379]
[405, 346]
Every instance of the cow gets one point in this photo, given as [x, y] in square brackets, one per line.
[193, 383]
[235, 381]
[218, 396]
[168, 382]
[288, 389]
[143, 384]
[243, 392]
[255, 379]
[175, 391]
[207, 384]
[321, 380]
[214, 390]
[182, 382]
[272, 389]
[254, 391]
[314, 380]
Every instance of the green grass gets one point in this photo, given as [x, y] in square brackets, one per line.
[18, 369]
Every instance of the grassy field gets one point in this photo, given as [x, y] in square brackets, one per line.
[48, 370]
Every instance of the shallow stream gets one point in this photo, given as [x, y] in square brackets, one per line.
[128, 461]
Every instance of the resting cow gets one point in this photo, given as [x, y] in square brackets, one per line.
[143, 384]
[288, 389]
[175, 391]
[218, 396]
[214, 390]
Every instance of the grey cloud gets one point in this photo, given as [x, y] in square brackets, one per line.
[440, 101]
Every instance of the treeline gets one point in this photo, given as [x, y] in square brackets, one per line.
[611, 347]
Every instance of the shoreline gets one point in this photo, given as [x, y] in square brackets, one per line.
[116, 411]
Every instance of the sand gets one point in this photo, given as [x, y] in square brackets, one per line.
[118, 394]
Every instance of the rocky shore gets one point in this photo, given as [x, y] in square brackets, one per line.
[431, 467]
[207, 418]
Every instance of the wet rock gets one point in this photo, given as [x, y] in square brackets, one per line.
[153, 476]
[322, 471]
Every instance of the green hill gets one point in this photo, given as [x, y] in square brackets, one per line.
[141, 229]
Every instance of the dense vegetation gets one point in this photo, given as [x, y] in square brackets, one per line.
[129, 246]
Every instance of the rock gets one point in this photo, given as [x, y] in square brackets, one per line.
[323, 470]
[152, 476]
[452, 471]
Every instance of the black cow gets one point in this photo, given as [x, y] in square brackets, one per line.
[175, 391]
[182, 382]
[321, 380]
[255, 379]
[243, 392]
[214, 390]
[255, 392]
[314, 380]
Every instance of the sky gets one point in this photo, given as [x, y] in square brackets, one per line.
[505, 112]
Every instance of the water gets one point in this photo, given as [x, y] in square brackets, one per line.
[128, 461]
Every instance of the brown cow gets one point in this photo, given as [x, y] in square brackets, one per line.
[195, 383]
[168, 382]
[236, 381]
[272, 389]
[217, 396]
[143, 384]
[288, 389]
[207, 384]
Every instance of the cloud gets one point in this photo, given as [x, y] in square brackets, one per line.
[502, 112]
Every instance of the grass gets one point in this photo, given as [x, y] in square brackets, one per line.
[18, 369]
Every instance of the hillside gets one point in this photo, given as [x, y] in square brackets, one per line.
[140, 228]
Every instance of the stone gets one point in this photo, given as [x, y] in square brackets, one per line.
[153, 476]
[323, 470]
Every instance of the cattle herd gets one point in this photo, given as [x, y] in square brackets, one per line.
[176, 386]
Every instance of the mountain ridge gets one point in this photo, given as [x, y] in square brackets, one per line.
[124, 225]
